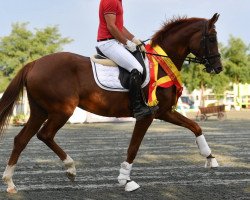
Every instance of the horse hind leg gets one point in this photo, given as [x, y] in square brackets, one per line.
[47, 133]
[20, 142]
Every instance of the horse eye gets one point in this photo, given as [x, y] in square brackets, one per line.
[212, 39]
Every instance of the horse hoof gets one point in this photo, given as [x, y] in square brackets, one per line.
[122, 182]
[12, 190]
[71, 176]
[131, 186]
[211, 163]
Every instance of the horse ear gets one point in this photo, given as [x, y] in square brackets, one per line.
[213, 20]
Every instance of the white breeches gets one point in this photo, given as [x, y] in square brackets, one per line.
[120, 55]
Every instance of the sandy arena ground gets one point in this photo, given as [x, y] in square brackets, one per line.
[168, 165]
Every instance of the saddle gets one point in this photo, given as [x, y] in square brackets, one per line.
[124, 75]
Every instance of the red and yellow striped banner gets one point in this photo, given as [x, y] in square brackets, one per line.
[173, 76]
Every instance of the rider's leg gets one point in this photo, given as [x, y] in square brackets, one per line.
[120, 55]
[140, 110]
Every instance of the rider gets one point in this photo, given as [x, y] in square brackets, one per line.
[117, 43]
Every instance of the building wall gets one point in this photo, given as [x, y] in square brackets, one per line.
[242, 95]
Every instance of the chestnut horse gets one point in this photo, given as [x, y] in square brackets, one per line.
[56, 84]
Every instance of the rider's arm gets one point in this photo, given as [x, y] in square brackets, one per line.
[128, 35]
[135, 40]
[115, 32]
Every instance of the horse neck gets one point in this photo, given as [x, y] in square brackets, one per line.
[176, 44]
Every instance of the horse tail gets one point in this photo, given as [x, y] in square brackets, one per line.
[11, 95]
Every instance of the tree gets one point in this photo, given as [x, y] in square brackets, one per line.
[4, 81]
[236, 61]
[23, 46]
[194, 77]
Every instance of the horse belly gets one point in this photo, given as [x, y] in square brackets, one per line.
[106, 103]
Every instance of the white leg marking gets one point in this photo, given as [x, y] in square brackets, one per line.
[131, 186]
[70, 166]
[211, 163]
[203, 146]
[206, 151]
[124, 177]
[7, 178]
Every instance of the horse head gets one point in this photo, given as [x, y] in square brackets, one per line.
[181, 36]
[203, 44]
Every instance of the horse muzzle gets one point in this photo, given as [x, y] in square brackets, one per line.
[218, 68]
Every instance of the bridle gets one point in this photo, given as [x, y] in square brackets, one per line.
[207, 58]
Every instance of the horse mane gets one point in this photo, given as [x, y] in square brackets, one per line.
[169, 26]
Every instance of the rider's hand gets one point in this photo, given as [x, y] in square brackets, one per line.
[131, 46]
[139, 43]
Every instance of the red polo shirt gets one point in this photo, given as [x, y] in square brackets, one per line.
[109, 7]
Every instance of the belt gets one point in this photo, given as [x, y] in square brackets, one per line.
[105, 39]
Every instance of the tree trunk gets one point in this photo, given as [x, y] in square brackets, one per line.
[202, 103]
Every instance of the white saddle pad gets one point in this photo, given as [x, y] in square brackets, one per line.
[106, 77]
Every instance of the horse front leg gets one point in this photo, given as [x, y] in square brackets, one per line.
[140, 129]
[178, 119]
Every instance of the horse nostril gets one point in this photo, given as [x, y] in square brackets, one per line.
[218, 70]
[208, 70]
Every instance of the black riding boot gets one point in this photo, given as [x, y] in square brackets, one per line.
[140, 109]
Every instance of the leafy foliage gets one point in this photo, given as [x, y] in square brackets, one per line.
[4, 81]
[236, 63]
[194, 77]
[23, 46]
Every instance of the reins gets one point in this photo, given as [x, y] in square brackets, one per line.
[204, 60]
[189, 59]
